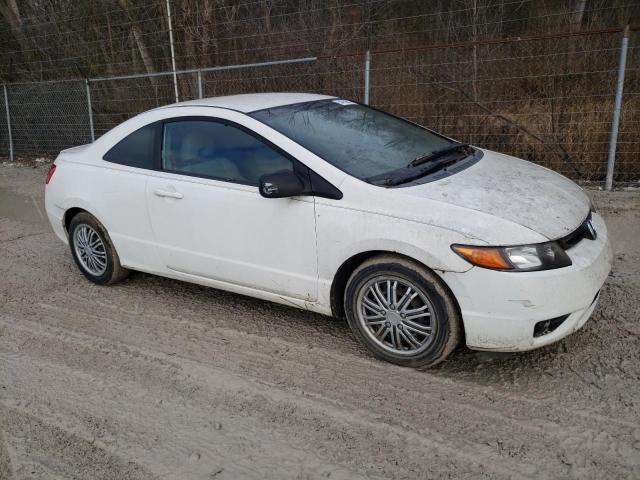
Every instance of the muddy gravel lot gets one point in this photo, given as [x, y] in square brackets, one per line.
[155, 378]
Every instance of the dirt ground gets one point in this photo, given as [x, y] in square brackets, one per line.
[155, 378]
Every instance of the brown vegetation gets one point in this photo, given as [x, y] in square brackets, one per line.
[545, 95]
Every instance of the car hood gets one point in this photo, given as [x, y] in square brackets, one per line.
[515, 190]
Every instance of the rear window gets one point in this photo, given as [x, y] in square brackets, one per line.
[136, 149]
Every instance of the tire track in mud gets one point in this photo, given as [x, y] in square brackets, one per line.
[204, 392]
[33, 436]
[155, 378]
[230, 346]
[6, 470]
[460, 418]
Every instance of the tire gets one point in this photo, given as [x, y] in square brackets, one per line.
[424, 329]
[104, 268]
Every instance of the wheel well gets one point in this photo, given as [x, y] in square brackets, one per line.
[68, 216]
[339, 284]
[341, 277]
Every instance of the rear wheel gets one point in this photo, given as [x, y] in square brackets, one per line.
[402, 312]
[93, 251]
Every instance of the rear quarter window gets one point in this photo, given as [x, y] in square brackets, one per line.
[136, 149]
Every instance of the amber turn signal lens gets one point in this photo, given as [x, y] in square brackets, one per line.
[488, 257]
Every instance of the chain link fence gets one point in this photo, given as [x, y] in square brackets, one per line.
[115, 100]
[47, 117]
[6, 146]
[548, 99]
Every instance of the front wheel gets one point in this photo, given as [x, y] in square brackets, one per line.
[402, 312]
[93, 251]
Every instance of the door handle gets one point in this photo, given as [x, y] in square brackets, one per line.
[168, 193]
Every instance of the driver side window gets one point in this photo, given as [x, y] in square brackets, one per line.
[217, 150]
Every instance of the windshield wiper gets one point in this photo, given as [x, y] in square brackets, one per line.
[438, 160]
[390, 180]
[437, 154]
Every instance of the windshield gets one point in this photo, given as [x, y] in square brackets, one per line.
[364, 142]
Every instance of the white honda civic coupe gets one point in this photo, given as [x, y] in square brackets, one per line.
[325, 204]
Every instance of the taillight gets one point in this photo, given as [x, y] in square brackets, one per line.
[50, 173]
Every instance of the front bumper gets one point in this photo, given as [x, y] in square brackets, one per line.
[500, 309]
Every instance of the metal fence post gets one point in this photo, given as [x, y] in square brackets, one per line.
[93, 136]
[367, 70]
[199, 83]
[615, 121]
[173, 56]
[6, 107]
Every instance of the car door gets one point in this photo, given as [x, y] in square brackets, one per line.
[118, 195]
[210, 221]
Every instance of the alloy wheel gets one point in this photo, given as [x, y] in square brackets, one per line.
[90, 250]
[396, 314]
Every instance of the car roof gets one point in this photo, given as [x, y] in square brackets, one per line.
[251, 102]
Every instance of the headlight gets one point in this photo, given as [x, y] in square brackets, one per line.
[522, 258]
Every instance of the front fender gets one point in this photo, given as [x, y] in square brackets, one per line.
[345, 233]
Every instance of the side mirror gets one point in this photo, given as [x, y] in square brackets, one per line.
[281, 184]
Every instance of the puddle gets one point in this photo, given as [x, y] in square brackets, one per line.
[23, 208]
